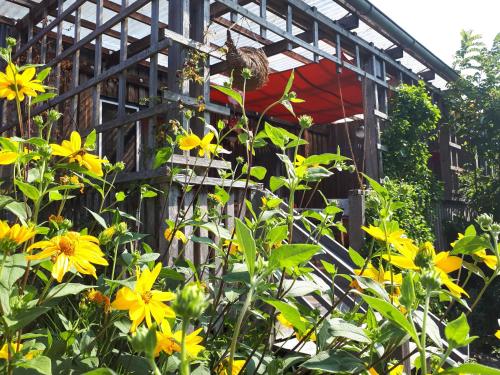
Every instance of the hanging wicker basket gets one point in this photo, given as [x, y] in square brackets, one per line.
[247, 57]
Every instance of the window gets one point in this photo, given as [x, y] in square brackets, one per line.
[121, 143]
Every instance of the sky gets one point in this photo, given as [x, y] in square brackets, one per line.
[437, 23]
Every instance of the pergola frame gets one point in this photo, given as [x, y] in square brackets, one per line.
[379, 70]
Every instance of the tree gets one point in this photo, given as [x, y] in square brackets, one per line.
[412, 126]
[473, 103]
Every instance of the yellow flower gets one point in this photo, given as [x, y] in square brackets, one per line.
[497, 334]
[443, 263]
[489, 260]
[189, 141]
[70, 250]
[286, 323]
[380, 275]
[16, 234]
[178, 234]
[233, 246]
[170, 342]
[13, 79]
[73, 150]
[99, 299]
[395, 237]
[10, 349]
[9, 156]
[142, 302]
[223, 367]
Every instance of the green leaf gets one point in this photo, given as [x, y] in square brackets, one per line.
[275, 183]
[43, 97]
[247, 243]
[28, 190]
[356, 258]
[162, 156]
[98, 218]
[69, 289]
[231, 93]
[120, 196]
[55, 196]
[391, 313]
[90, 140]
[24, 317]
[277, 234]
[325, 159]
[329, 267]
[100, 371]
[290, 312]
[40, 364]
[376, 186]
[407, 292]
[472, 369]
[289, 83]
[292, 255]
[341, 328]
[42, 74]
[457, 331]
[335, 362]
[258, 172]
[21, 210]
[470, 245]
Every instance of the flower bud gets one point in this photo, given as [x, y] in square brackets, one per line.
[11, 42]
[246, 73]
[425, 255]
[38, 120]
[122, 227]
[305, 121]
[430, 280]
[107, 235]
[191, 301]
[54, 115]
[485, 221]
[144, 340]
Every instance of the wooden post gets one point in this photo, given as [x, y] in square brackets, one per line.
[356, 219]
[371, 154]
[178, 21]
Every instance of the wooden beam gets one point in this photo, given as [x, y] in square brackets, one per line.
[427, 75]
[349, 22]
[395, 52]
[136, 46]
[36, 14]
[35, 20]
[136, 15]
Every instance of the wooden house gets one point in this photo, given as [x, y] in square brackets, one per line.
[116, 66]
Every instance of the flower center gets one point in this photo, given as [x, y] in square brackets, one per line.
[146, 296]
[67, 246]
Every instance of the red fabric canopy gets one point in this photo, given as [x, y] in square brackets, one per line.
[317, 84]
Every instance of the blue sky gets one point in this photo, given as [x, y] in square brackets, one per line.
[437, 23]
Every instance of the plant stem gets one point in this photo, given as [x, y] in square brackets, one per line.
[423, 337]
[237, 327]
[185, 369]
[480, 295]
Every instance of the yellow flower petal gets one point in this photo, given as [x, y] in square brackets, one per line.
[189, 141]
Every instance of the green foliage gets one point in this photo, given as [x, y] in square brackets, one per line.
[412, 126]
[409, 214]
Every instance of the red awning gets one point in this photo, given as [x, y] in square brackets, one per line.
[317, 84]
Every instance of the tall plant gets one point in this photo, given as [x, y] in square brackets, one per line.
[91, 297]
[412, 127]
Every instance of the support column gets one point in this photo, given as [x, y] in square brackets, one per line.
[356, 219]
[371, 152]
[178, 21]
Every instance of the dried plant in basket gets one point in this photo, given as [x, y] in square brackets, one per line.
[247, 57]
